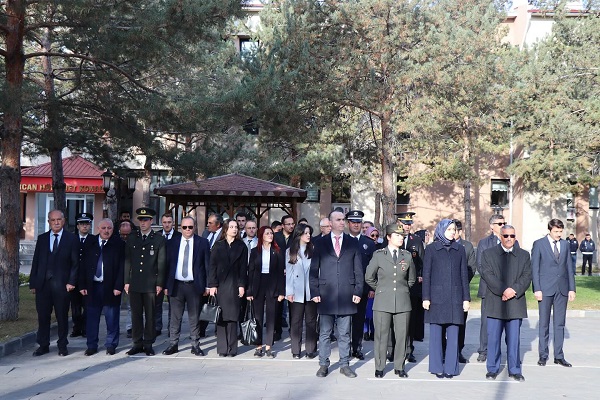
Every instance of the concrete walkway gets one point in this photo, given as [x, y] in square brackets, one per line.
[184, 376]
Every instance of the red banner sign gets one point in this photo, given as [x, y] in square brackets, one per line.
[30, 184]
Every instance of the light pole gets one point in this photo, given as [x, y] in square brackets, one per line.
[112, 185]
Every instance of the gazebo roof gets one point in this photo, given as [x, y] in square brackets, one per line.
[235, 184]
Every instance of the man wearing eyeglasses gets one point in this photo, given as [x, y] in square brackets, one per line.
[496, 223]
[506, 269]
[187, 260]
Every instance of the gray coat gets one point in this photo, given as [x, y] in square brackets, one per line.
[390, 281]
[297, 278]
[551, 276]
[498, 276]
[445, 283]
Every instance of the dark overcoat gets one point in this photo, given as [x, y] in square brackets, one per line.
[228, 272]
[445, 283]
[63, 265]
[113, 260]
[366, 247]
[336, 279]
[276, 276]
[502, 270]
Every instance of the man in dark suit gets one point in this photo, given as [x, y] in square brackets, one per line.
[366, 248]
[101, 284]
[168, 232]
[553, 285]
[187, 260]
[336, 284]
[145, 263]
[78, 312]
[496, 221]
[53, 275]
[506, 270]
[283, 240]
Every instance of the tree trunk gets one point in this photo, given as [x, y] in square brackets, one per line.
[389, 189]
[10, 167]
[466, 162]
[467, 206]
[59, 188]
[377, 218]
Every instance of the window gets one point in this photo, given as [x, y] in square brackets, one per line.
[499, 196]
[248, 48]
[341, 189]
[402, 198]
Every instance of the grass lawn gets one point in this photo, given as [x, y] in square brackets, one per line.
[588, 294]
[27, 321]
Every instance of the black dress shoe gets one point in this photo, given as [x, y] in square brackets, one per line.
[296, 356]
[231, 354]
[222, 355]
[542, 361]
[110, 351]
[401, 373]
[171, 350]
[448, 376]
[197, 351]
[323, 371]
[440, 376]
[269, 354]
[76, 334]
[149, 351]
[311, 355]
[134, 351]
[411, 358]
[482, 357]
[517, 377]
[462, 359]
[90, 352]
[358, 354]
[378, 374]
[347, 372]
[491, 376]
[40, 351]
[63, 352]
[258, 353]
[562, 361]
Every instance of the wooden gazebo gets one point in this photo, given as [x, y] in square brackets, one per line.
[231, 193]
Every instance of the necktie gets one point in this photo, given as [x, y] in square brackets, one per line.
[144, 237]
[338, 248]
[186, 258]
[99, 265]
[55, 245]
[244, 235]
[249, 244]
[212, 239]
[556, 253]
[82, 240]
[395, 256]
[167, 236]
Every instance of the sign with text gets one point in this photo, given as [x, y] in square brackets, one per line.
[74, 185]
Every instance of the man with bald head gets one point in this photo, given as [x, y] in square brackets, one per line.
[53, 275]
[101, 284]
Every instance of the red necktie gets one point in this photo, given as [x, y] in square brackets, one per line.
[338, 248]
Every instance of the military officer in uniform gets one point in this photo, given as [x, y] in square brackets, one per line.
[78, 312]
[145, 263]
[414, 245]
[391, 273]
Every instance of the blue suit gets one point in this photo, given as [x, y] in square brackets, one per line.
[554, 278]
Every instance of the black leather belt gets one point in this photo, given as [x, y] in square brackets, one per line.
[187, 282]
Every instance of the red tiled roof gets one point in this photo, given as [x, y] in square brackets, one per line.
[232, 185]
[73, 167]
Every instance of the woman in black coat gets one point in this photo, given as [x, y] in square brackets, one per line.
[266, 286]
[445, 297]
[227, 280]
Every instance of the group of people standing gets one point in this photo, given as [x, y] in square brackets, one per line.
[340, 286]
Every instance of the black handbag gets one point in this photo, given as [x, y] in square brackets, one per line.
[249, 327]
[211, 311]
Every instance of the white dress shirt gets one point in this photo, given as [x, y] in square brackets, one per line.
[179, 270]
[213, 237]
[333, 240]
[101, 278]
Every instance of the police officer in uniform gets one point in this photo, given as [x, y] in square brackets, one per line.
[414, 245]
[145, 263]
[78, 314]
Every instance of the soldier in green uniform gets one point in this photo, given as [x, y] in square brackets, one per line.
[391, 273]
[145, 263]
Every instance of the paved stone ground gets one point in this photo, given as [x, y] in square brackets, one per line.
[184, 376]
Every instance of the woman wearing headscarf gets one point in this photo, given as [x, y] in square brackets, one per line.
[445, 297]
[227, 280]
[266, 286]
[303, 310]
[391, 273]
